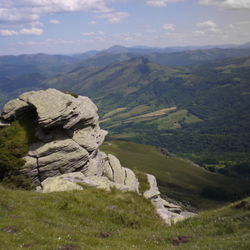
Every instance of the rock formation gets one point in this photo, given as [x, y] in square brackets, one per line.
[67, 153]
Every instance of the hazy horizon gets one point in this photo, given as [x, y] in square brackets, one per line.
[76, 26]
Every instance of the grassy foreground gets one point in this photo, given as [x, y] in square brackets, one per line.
[177, 178]
[95, 219]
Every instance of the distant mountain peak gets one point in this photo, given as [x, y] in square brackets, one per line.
[117, 49]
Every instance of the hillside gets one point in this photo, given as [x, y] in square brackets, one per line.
[95, 219]
[195, 57]
[177, 178]
[26, 72]
[191, 106]
[184, 108]
[115, 84]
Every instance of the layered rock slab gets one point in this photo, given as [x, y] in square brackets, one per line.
[53, 108]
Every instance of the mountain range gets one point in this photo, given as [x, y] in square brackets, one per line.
[193, 102]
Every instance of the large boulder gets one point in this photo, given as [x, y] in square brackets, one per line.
[66, 156]
[67, 132]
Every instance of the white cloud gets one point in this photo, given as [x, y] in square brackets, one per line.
[8, 32]
[31, 31]
[98, 33]
[161, 3]
[27, 13]
[27, 10]
[208, 26]
[199, 32]
[169, 26]
[89, 34]
[93, 22]
[230, 4]
[28, 31]
[54, 21]
[114, 17]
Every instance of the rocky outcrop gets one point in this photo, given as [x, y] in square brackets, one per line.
[68, 140]
[66, 155]
[169, 212]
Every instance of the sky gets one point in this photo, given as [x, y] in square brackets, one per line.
[76, 26]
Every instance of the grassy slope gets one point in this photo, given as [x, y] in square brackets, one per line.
[177, 178]
[74, 220]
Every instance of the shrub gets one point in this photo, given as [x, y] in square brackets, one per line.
[14, 145]
[143, 181]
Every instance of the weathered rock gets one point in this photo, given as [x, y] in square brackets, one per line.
[96, 164]
[153, 191]
[108, 171]
[73, 181]
[54, 108]
[41, 135]
[13, 107]
[30, 166]
[30, 169]
[165, 215]
[63, 155]
[169, 212]
[131, 181]
[118, 170]
[186, 214]
[89, 138]
[57, 184]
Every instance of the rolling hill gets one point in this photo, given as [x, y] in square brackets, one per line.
[206, 106]
[199, 111]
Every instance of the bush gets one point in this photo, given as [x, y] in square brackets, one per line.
[18, 181]
[14, 145]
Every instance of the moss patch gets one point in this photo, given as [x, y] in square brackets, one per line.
[70, 93]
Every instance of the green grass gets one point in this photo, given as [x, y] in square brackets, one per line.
[143, 181]
[177, 178]
[59, 220]
[14, 144]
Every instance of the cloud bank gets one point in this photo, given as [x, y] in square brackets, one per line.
[26, 14]
[230, 4]
[161, 3]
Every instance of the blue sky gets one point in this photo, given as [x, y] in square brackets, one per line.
[75, 26]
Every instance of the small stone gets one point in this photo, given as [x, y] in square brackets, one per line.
[69, 247]
[9, 229]
[180, 240]
[242, 204]
[104, 235]
[112, 207]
